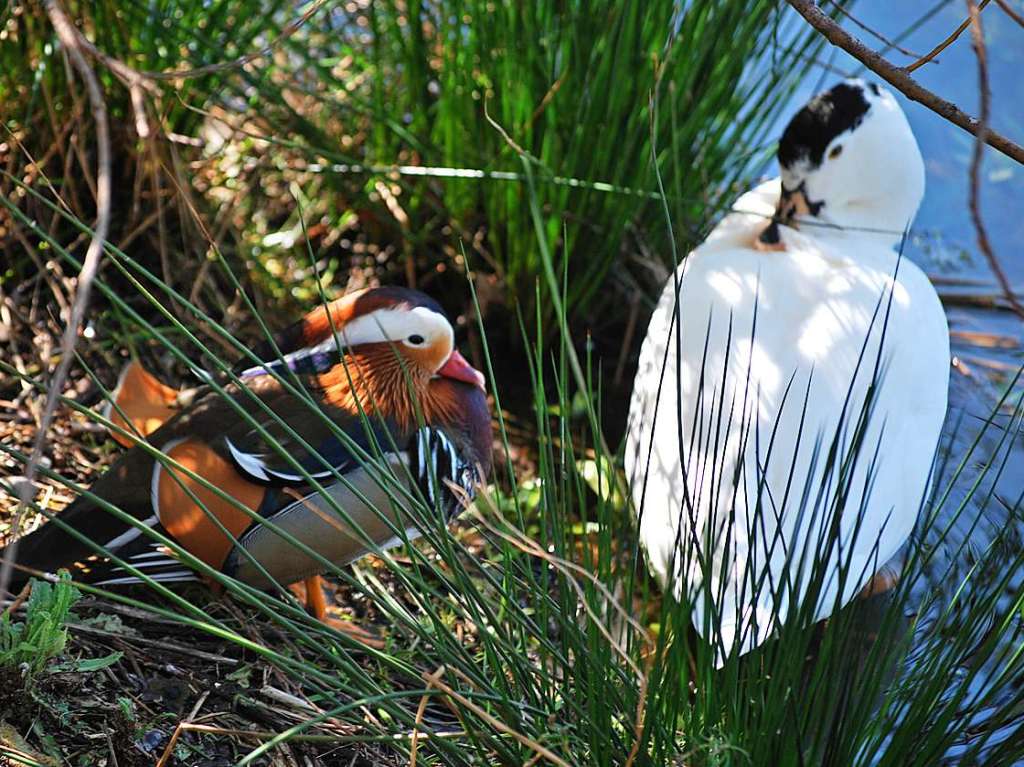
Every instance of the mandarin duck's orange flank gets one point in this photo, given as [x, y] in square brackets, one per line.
[380, 364]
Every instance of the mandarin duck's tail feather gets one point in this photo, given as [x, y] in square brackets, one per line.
[53, 546]
[141, 403]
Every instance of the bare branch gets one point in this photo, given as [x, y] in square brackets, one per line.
[1010, 12]
[899, 79]
[874, 32]
[497, 724]
[945, 43]
[26, 491]
[978, 42]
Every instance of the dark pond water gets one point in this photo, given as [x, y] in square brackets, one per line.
[944, 243]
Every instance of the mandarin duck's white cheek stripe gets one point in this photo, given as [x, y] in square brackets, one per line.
[382, 326]
[397, 326]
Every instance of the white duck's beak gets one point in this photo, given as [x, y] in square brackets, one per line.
[793, 205]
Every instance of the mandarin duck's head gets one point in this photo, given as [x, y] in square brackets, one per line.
[410, 328]
[391, 350]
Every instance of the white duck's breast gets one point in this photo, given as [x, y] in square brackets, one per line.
[736, 442]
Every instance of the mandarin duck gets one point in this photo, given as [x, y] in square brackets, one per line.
[375, 368]
[792, 385]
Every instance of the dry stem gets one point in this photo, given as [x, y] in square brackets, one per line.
[1010, 12]
[945, 43]
[70, 39]
[497, 724]
[978, 41]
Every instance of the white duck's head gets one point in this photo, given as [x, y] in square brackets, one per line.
[849, 161]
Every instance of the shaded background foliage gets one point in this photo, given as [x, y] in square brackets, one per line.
[363, 89]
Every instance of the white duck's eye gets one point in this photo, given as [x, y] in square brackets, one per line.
[836, 151]
[415, 339]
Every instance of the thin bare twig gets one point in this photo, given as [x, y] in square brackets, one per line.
[497, 724]
[138, 81]
[19, 600]
[899, 79]
[874, 32]
[978, 42]
[945, 43]
[420, 711]
[641, 711]
[1010, 12]
[169, 751]
[26, 491]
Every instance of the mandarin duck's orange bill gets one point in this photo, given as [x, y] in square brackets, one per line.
[368, 396]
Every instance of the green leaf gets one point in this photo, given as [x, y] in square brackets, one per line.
[88, 665]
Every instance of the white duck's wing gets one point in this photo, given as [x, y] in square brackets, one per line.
[753, 450]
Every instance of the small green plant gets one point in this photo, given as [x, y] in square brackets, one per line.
[43, 634]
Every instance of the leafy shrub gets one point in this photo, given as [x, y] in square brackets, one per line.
[42, 635]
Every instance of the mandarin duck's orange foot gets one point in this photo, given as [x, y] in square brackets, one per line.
[398, 413]
[313, 591]
[356, 632]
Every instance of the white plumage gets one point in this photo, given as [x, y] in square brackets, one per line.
[739, 404]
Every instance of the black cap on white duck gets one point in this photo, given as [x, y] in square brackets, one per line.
[849, 159]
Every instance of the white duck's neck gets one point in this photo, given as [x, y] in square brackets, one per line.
[880, 225]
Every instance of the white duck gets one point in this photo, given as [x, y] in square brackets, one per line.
[752, 393]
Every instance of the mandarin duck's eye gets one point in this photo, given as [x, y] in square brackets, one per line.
[415, 339]
[836, 151]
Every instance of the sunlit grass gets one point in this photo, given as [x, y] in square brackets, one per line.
[573, 652]
[405, 136]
